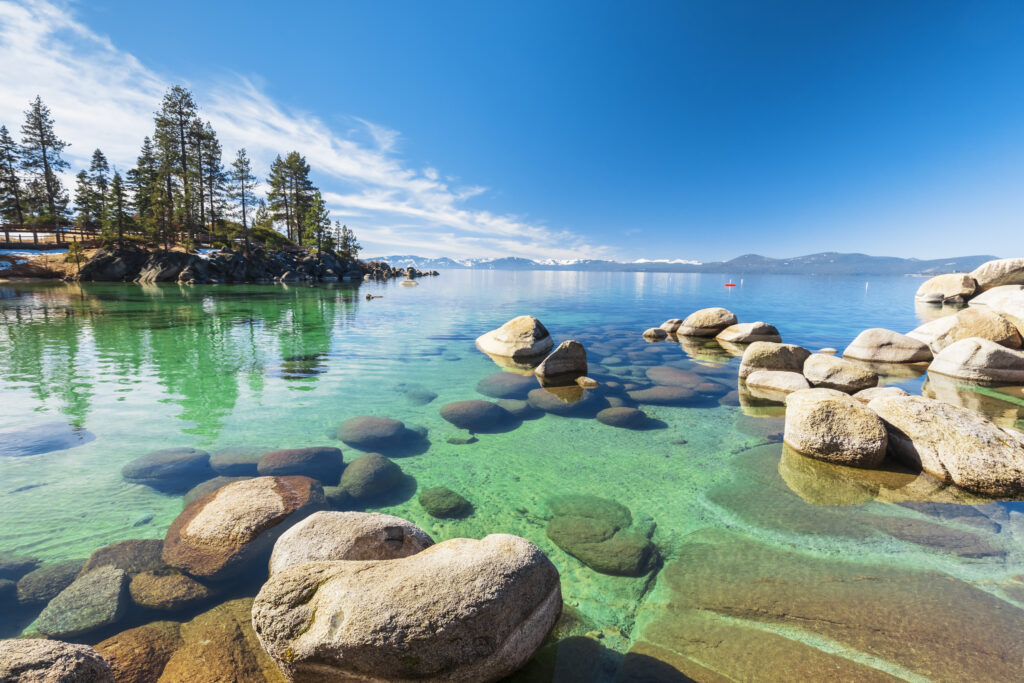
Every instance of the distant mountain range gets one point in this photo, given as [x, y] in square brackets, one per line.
[828, 263]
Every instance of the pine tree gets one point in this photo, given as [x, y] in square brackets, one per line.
[11, 193]
[84, 200]
[173, 125]
[348, 248]
[214, 176]
[118, 217]
[143, 180]
[41, 157]
[243, 184]
[316, 222]
[91, 192]
[291, 193]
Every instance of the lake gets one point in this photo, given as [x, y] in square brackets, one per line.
[768, 565]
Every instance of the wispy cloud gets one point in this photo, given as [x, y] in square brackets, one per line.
[104, 97]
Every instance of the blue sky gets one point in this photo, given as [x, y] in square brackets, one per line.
[695, 130]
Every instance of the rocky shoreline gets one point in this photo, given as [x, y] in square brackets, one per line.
[232, 266]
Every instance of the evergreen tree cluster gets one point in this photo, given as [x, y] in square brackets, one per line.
[179, 191]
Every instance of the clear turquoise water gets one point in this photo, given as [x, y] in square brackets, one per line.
[144, 368]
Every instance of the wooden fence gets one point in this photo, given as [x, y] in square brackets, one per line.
[43, 236]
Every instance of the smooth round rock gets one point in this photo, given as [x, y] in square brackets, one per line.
[774, 385]
[748, 333]
[772, 356]
[1007, 271]
[506, 385]
[369, 433]
[349, 536]
[442, 503]
[829, 372]
[867, 395]
[655, 333]
[565, 364]
[980, 360]
[322, 463]
[478, 612]
[220, 535]
[833, 426]
[707, 322]
[170, 469]
[37, 660]
[624, 418]
[522, 339]
[878, 345]
[475, 415]
[947, 286]
[370, 475]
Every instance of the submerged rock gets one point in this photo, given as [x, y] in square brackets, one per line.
[748, 333]
[13, 567]
[565, 401]
[443, 503]
[833, 426]
[707, 322]
[35, 660]
[953, 444]
[522, 339]
[773, 356]
[667, 375]
[506, 385]
[623, 417]
[132, 556]
[220, 645]
[170, 469]
[829, 372]
[43, 584]
[370, 475]
[95, 599]
[565, 364]
[237, 461]
[219, 535]
[140, 654]
[476, 415]
[168, 590]
[322, 463]
[662, 395]
[599, 533]
[41, 438]
[980, 360]
[369, 433]
[479, 611]
[347, 536]
[879, 345]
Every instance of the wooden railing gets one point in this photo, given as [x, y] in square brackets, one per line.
[43, 235]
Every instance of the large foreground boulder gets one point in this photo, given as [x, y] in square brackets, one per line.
[773, 356]
[878, 345]
[1006, 271]
[707, 322]
[829, 372]
[360, 536]
[462, 610]
[523, 339]
[139, 654]
[219, 535]
[954, 444]
[833, 426]
[949, 286]
[35, 660]
[980, 360]
[565, 364]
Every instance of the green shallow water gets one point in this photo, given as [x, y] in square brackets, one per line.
[143, 368]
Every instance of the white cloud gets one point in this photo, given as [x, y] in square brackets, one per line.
[103, 97]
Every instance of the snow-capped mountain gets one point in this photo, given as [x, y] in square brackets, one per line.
[827, 263]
